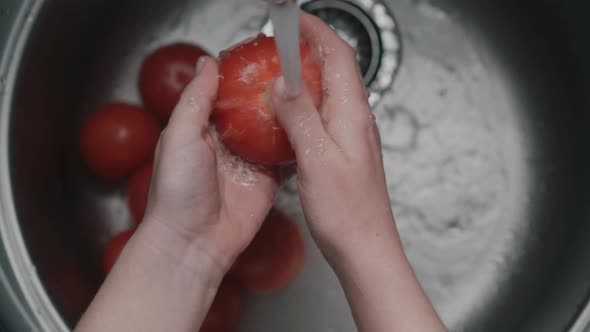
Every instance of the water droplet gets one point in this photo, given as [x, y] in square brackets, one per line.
[193, 105]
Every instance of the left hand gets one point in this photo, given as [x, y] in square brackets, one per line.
[204, 208]
[200, 193]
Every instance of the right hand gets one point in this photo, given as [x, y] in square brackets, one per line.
[341, 183]
[341, 180]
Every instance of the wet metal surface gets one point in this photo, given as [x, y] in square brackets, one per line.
[481, 124]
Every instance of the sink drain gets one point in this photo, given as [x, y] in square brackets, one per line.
[356, 27]
[370, 28]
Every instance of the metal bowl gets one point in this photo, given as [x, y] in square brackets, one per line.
[485, 133]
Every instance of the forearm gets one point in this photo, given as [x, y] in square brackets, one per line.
[380, 284]
[161, 283]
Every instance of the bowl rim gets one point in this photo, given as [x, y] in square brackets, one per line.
[29, 295]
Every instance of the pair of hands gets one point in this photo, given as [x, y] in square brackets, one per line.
[199, 191]
[205, 206]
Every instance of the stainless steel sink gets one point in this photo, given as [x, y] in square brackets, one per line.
[483, 108]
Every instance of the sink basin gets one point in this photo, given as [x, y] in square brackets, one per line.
[483, 110]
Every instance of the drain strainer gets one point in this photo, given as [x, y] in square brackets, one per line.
[370, 28]
[355, 26]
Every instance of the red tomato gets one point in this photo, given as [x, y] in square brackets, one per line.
[226, 310]
[114, 249]
[117, 139]
[274, 258]
[243, 116]
[138, 189]
[164, 74]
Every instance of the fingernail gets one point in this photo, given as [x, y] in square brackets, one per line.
[200, 64]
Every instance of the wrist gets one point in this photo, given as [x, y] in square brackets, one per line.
[372, 237]
[182, 252]
[379, 245]
[157, 269]
[382, 287]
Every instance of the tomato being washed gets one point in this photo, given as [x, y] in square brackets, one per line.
[164, 74]
[137, 191]
[114, 248]
[117, 139]
[226, 310]
[274, 258]
[243, 116]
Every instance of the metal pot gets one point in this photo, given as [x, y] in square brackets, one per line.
[483, 111]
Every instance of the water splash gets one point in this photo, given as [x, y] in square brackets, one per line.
[248, 73]
[241, 172]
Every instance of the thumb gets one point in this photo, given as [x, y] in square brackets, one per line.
[190, 118]
[299, 118]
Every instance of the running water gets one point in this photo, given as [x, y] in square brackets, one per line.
[285, 19]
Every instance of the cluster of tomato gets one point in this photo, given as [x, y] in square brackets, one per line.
[119, 139]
